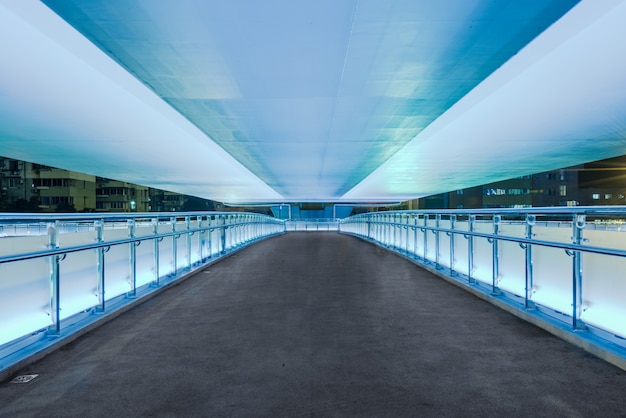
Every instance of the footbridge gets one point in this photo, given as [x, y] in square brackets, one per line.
[391, 313]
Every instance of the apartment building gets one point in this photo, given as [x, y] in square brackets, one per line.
[60, 190]
[119, 196]
[30, 187]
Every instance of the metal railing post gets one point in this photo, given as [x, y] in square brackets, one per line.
[155, 231]
[132, 259]
[406, 235]
[211, 223]
[426, 216]
[452, 243]
[415, 220]
[495, 256]
[200, 239]
[578, 225]
[54, 279]
[223, 233]
[471, 219]
[394, 239]
[436, 231]
[188, 239]
[528, 249]
[174, 246]
[99, 227]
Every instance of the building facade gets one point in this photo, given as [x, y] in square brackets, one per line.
[60, 190]
[36, 187]
[164, 201]
[597, 183]
[119, 196]
[30, 187]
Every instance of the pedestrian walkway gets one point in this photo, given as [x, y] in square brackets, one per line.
[317, 324]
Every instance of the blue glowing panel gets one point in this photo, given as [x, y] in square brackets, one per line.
[64, 103]
[311, 96]
[557, 103]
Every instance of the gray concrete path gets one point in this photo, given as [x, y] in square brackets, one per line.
[316, 325]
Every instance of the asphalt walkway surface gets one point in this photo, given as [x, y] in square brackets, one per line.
[315, 325]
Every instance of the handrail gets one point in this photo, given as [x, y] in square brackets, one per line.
[77, 281]
[552, 210]
[529, 241]
[18, 216]
[77, 248]
[578, 287]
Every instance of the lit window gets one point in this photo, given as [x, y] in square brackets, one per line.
[595, 196]
[562, 190]
[608, 196]
[519, 191]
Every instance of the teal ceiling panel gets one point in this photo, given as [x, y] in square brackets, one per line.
[310, 96]
[312, 100]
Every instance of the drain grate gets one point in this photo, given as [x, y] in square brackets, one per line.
[24, 378]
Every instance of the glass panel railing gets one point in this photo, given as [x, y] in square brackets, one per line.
[512, 261]
[566, 263]
[604, 297]
[55, 270]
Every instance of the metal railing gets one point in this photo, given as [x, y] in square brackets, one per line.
[568, 263]
[58, 269]
[321, 224]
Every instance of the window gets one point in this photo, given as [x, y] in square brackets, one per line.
[460, 191]
[51, 182]
[562, 190]
[516, 192]
[57, 200]
[608, 196]
[595, 196]
[494, 192]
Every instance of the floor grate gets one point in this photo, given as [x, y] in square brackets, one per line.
[24, 378]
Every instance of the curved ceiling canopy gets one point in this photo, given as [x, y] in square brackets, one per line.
[312, 100]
